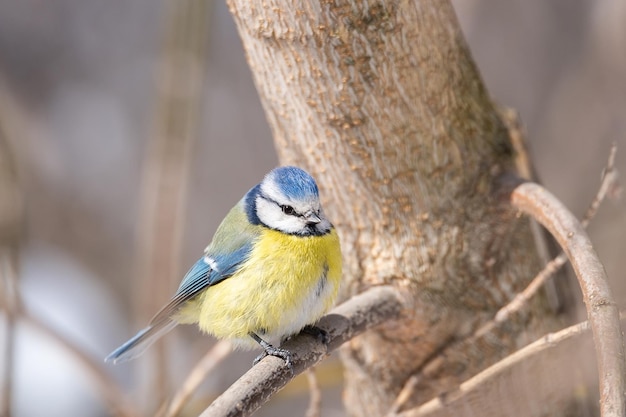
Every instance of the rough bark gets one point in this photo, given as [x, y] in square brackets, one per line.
[384, 105]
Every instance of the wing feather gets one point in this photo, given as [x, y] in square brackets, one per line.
[200, 277]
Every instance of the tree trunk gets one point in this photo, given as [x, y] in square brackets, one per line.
[383, 104]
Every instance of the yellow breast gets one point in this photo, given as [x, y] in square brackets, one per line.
[288, 282]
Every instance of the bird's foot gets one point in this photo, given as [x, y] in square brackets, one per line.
[270, 350]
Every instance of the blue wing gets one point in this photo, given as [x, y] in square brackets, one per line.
[208, 271]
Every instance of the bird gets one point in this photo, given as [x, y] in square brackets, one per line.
[272, 269]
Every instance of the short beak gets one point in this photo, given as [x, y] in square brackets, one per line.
[312, 218]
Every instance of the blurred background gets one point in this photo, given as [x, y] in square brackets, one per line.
[115, 210]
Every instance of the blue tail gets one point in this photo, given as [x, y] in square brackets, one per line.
[140, 342]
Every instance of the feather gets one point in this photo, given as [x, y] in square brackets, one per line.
[140, 342]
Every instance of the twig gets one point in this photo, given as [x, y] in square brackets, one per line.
[480, 395]
[608, 186]
[198, 374]
[517, 134]
[8, 298]
[545, 245]
[522, 298]
[405, 394]
[602, 311]
[343, 323]
[315, 402]
[12, 127]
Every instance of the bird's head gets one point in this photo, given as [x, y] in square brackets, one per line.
[287, 200]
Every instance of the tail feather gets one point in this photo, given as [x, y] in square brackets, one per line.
[140, 342]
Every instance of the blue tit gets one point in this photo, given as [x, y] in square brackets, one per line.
[272, 269]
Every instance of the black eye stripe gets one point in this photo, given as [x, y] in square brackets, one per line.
[289, 210]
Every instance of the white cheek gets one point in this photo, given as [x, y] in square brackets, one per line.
[271, 215]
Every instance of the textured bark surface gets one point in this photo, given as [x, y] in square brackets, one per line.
[383, 104]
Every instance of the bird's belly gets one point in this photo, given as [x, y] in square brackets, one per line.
[287, 283]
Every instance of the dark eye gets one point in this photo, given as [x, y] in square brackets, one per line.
[288, 210]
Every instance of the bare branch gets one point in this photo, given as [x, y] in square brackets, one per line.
[8, 299]
[522, 298]
[607, 187]
[405, 394]
[542, 362]
[343, 323]
[315, 403]
[198, 374]
[11, 229]
[602, 311]
[544, 243]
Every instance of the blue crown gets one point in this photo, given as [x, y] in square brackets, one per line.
[294, 182]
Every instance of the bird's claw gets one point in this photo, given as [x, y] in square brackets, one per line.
[278, 352]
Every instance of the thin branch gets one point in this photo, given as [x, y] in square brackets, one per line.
[315, 403]
[608, 187]
[602, 310]
[545, 245]
[12, 126]
[8, 298]
[520, 300]
[479, 395]
[405, 394]
[198, 374]
[359, 313]
[517, 134]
